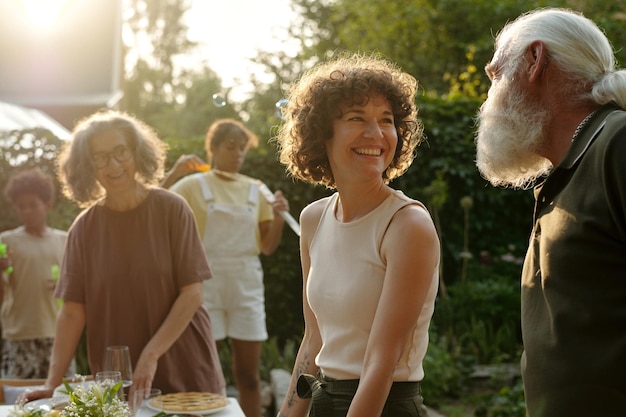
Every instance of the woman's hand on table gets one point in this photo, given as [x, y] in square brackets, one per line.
[35, 394]
[143, 374]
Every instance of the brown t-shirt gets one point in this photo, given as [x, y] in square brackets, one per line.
[127, 268]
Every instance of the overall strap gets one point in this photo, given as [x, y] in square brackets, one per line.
[206, 190]
[253, 194]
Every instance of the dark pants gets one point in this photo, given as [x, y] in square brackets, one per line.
[332, 398]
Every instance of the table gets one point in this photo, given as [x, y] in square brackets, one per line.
[232, 410]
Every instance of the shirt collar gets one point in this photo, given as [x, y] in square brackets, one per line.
[586, 136]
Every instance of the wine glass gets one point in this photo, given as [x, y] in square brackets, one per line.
[142, 396]
[107, 379]
[118, 359]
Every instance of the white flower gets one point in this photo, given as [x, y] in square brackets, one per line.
[19, 410]
[95, 401]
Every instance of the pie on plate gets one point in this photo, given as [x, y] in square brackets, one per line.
[188, 402]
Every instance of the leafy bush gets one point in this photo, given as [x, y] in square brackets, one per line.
[445, 373]
[508, 402]
[481, 317]
[273, 357]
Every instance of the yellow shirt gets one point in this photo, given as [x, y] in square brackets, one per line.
[224, 192]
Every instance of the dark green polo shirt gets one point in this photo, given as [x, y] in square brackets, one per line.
[574, 280]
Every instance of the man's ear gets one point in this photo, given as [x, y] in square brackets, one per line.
[538, 60]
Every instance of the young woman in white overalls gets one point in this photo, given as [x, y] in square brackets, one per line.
[236, 224]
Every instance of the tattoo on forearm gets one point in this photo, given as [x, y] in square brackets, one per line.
[299, 369]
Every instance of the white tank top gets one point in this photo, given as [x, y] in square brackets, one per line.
[344, 285]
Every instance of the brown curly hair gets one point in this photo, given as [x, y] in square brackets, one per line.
[316, 100]
[77, 172]
[30, 181]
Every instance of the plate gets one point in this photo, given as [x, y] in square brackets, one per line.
[60, 390]
[47, 404]
[42, 403]
[191, 413]
[183, 411]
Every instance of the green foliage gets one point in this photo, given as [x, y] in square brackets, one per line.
[481, 317]
[32, 148]
[181, 146]
[273, 357]
[508, 402]
[470, 82]
[226, 360]
[489, 344]
[443, 43]
[177, 103]
[423, 36]
[446, 372]
[159, 26]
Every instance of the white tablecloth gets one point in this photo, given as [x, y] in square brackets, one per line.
[232, 410]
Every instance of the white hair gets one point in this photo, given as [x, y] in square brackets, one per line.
[574, 43]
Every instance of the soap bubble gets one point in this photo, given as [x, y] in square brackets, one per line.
[280, 106]
[219, 100]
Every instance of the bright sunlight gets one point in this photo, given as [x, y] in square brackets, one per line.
[43, 13]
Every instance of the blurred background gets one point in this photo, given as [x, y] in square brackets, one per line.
[181, 64]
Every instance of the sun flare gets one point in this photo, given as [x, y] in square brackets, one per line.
[43, 13]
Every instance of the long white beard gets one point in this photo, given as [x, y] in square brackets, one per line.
[510, 132]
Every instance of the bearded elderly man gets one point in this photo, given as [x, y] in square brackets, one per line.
[556, 108]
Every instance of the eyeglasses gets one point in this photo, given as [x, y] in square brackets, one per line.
[120, 153]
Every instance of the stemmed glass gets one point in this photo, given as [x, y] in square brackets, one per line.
[118, 359]
[143, 396]
[109, 378]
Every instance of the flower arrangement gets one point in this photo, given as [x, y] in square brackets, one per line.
[19, 410]
[94, 400]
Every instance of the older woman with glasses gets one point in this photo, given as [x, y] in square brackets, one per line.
[134, 264]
